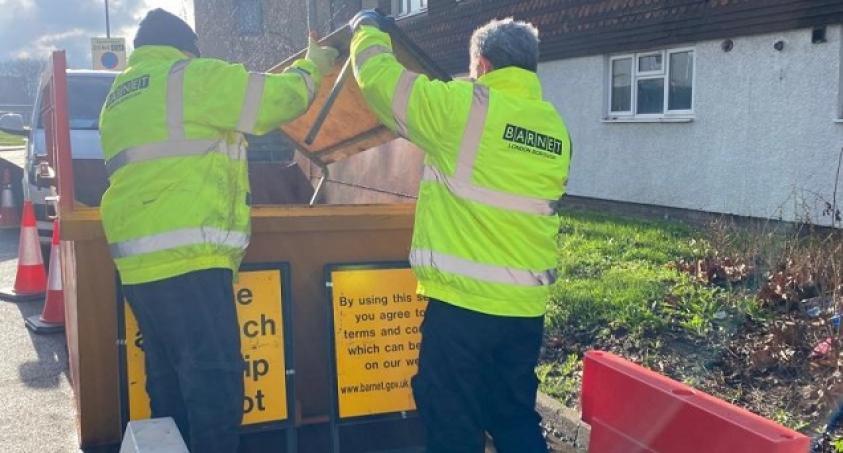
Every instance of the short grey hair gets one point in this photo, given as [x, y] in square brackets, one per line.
[507, 42]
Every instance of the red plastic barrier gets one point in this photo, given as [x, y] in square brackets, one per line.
[632, 409]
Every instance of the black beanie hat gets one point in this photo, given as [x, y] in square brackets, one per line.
[160, 28]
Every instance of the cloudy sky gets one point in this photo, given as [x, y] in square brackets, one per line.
[32, 28]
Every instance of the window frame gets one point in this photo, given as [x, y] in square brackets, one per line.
[400, 3]
[839, 114]
[650, 74]
[670, 52]
[632, 100]
[663, 74]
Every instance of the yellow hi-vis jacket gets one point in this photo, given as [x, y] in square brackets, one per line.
[496, 162]
[171, 131]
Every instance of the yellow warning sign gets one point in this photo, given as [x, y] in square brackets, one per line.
[259, 298]
[377, 315]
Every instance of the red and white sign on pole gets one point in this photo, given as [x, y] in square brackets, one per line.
[108, 53]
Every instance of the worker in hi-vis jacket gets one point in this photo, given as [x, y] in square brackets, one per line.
[176, 214]
[484, 242]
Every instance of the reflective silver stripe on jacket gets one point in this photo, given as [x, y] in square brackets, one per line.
[478, 271]
[152, 151]
[251, 103]
[174, 148]
[367, 54]
[235, 150]
[473, 132]
[502, 200]
[461, 185]
[179, 238]
[176, 144]
[175, 100]
[401, 101]
[308, 82]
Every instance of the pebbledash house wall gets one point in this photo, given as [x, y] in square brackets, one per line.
[763, 141]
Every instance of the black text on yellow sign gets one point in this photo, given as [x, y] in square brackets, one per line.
[377, 315]
[258, 296]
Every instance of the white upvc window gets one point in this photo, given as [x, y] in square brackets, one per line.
[655, 84]
[410, 7]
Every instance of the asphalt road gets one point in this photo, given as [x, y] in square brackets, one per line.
[12, 154]
[38, 413]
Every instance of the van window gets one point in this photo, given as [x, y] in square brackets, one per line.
[86, 96]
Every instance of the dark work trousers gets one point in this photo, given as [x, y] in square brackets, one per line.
[194, 369]
[477, 374]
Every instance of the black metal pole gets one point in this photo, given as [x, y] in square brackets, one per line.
[329, 102]
[107, 24]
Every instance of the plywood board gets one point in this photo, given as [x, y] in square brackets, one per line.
[350, 126]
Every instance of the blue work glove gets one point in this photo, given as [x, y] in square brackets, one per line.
[371, 17]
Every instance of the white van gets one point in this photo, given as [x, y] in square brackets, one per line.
[86, 92]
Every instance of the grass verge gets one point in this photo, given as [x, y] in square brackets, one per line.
[11, 140]
[669, 297]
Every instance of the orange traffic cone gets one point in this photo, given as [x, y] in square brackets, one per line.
[31, 280]
[9, 217]
[51, 319]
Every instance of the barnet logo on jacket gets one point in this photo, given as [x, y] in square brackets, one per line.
[126, 90]
[520, 136]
